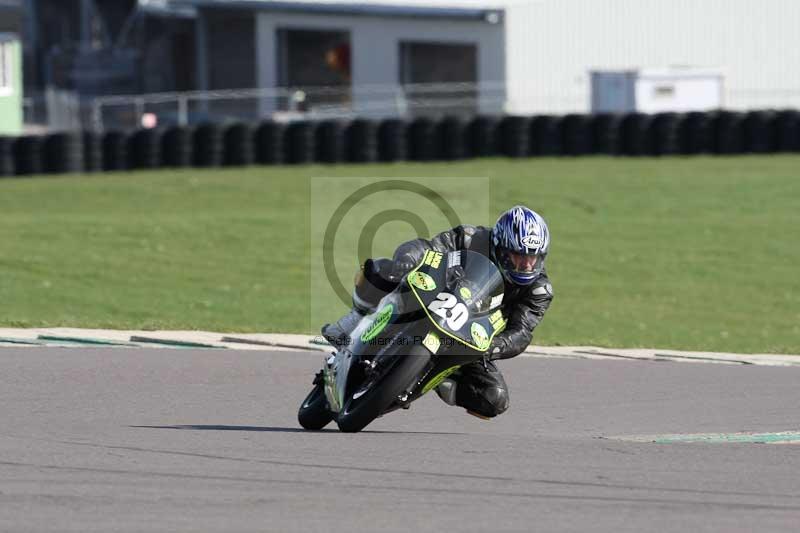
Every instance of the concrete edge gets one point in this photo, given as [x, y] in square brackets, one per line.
[76, 337]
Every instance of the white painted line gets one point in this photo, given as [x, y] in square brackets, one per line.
[754, 437]
[286, 342]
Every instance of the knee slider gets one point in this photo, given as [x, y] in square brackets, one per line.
[497, 398]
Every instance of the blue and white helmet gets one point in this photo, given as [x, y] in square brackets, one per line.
[520, 241]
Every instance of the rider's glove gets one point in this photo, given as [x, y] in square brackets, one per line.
[496, 349]
[401, 266]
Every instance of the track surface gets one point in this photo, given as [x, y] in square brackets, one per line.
[186, 440]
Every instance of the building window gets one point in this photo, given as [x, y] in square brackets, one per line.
[6, 68]
[316, 63]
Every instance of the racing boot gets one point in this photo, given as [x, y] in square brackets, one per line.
[447, 391]
[338, 333]
[370, 285]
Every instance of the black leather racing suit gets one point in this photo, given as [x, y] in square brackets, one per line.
[480, 389]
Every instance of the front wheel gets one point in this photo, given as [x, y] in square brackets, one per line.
[358, 412]
[314, 413]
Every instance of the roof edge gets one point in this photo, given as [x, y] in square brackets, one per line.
[488, 15]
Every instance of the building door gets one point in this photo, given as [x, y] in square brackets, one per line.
[428, 68]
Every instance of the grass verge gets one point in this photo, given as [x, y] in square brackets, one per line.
[697, 253]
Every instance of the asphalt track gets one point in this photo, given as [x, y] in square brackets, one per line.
[206, 440]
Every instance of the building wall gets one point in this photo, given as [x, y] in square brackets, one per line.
[231, 49]
[375, 44]
[11, 102]
[553, 44]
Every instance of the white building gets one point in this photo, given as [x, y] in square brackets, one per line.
[517, 56]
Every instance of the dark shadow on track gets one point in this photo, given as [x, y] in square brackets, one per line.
[272, 429]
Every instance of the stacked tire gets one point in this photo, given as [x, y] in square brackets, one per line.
[269, 143]
[115, 151]
[576, 135]
[423, 142]
[300, 143]
[728, 132]
[331, 144]
[786, 125]
[663, 134]
[481, 136]
[758, 133]
[515, 136]
[392, 140]
[606, 131]
[452, 138]
[362, 140]
[92, 152]
[144, 149]
[208, 146]
[634, 134]
[545, 135]
[695, 134]
[6, 156]
[29, 155]
[239, 147]
[63, 153]
[176, 147]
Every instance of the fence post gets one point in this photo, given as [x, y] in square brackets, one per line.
[183, 110]
[97, 115]
[139, 103]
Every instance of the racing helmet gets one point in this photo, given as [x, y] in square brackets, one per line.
[520, 242]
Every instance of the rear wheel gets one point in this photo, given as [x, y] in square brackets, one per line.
[364, 406]
[314, 413]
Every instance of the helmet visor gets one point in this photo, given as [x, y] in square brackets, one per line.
[521, 263]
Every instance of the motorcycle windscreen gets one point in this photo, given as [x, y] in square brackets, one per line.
[462, 294]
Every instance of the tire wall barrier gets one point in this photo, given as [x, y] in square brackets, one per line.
[239, 145]
[268, 143]
[423, 142]
[786, 127]
[63, 153]
[728, 132]
[207, 145]
[392, 144]
[92, 152]
[481, 137]
[115, 151]
[695, 134]
[362, 141]
[6, 156]
[144, 149]
[452, 138]
[605, 131]
[448, 138]
[330, 142]
[300, 143]
[28, 155]
[545, 135]
[515, 136]
[177, 147]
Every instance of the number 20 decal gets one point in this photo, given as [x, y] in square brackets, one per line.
[448, 307]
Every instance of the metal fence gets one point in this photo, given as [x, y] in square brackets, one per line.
[57, 110]
[306, 103]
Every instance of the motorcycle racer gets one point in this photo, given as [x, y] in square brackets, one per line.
[518, 244]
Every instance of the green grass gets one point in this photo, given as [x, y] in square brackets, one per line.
[696, 253]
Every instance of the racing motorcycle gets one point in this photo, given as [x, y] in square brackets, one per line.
[442, 315]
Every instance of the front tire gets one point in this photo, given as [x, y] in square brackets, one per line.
[356, 414]
[314, 413]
